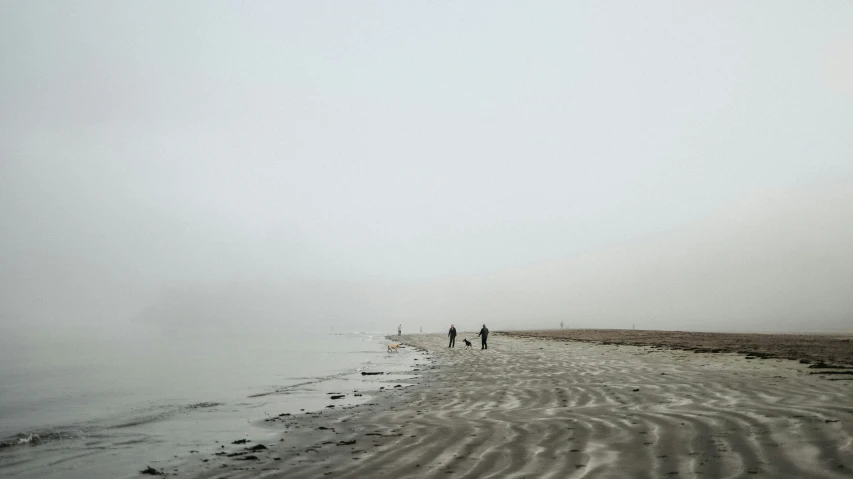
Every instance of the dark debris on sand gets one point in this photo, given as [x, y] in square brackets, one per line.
[818, 350]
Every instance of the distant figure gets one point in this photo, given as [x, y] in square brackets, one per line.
[422, 329]
[399, 330]
[561, 325]
[452, 335]
[484, 333]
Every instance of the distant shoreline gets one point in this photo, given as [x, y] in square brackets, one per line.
[831, 349]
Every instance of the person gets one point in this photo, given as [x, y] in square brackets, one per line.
[484, 333]
[561, 325]
[452, 335]
[399, 330]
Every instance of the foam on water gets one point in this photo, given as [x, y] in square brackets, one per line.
[22, 439]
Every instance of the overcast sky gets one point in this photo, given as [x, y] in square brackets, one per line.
[674, 165]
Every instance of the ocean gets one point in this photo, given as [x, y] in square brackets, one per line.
[109, 404]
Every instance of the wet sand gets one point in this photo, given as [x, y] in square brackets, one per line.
[536, 407]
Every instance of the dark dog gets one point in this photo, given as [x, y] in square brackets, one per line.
[467, 343]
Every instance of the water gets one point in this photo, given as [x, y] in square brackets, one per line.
[110, 403]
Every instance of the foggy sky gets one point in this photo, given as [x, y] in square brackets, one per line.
[358, 165]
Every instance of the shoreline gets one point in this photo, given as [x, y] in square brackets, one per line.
[535, 407]
[302, 435]
[171, 432]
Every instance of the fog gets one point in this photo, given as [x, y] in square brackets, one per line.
[359, 165]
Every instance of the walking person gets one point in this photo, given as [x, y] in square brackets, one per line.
[399, 330]
[484, 334]
[452, 334]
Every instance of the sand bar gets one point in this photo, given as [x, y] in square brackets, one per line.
[535, 407]
[833, 349]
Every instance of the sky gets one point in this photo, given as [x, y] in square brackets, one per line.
[359, 165]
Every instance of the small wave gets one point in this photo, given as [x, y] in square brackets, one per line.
[158, 414]
[163, 412]
[286, 389]
[33, 439]
[92, 430]
[137, 422]
[204, 404]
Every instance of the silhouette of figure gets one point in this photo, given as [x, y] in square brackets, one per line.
[484, 333]
[452, 334]
[561, 325]
[399, 330]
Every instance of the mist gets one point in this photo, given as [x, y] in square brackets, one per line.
[332, 166]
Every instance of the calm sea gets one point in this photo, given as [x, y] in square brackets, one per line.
[108, 405]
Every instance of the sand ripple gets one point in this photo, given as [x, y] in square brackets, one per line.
[540, 408]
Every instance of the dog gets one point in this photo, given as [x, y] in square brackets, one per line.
[393, 347]
[467, 344]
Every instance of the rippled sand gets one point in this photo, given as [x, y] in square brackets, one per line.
[533, 407]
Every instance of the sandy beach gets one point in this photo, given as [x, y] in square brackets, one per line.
[539, 407]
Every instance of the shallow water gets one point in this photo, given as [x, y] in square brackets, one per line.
[107, 406]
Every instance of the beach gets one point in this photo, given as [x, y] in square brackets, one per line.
[533, 406]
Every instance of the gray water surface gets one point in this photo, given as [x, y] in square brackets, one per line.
[107, 404]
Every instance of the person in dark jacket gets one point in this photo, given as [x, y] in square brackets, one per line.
[484, 333]
[452, 335]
